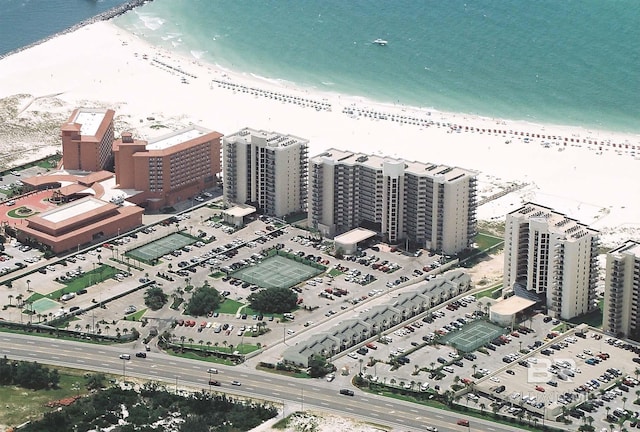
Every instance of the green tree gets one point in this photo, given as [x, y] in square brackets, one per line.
[155, 298]
[273, 300]
[204, 300]
[95, 381]
[318, 366]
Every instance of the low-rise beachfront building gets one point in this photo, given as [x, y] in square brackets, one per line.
[622, 291]
[87, 138]
[550, 254]
[428, 205]
[379, 318]
[168, 169]
[80, 222]
[266, 170]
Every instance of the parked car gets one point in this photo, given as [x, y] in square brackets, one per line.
[347, 392]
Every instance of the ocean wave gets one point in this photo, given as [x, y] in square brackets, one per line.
[328, 83]
[151, 22]
[198, 54]
[170, 36]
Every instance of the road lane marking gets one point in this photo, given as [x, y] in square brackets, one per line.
[324, 403]
[275, 394]
[80, 361]
[388, 404]
[172, 363]
[55, 357]
[438, 416]
[30, 342]
[413, 411]
[266, 379]
[244, 376]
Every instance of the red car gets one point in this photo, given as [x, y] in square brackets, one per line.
[463, 422]
[540, 389]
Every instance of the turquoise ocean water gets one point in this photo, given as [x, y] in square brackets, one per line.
[565, 62]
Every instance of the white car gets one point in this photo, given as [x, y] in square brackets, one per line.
[353, 355]
[495, 379]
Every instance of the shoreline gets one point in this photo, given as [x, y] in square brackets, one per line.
[154, 90]
[103, 16]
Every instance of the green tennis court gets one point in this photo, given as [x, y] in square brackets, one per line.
[44, 304]
[472, 336]
[160, 247]
[277, 272]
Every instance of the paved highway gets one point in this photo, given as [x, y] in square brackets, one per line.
[296, 393]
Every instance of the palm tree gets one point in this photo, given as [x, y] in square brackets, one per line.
[99, 259]
[431, 365]
[590, 420]
[88, 327]
[182, 338]
[10, 297]
[208, 345]
[529, 418]
[201, 342]
[474, 367]
[125, 331]
[416, 369]
[28, 285]
[216, 344]
[624, 401]
[107, 328]
[607, 409]
[190, 341]
[535, 422]
[482, 406]
[392, 381]
[78, 327]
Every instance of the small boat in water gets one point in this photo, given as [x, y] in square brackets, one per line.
[380, 42]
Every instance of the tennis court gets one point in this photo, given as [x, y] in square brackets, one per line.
[44, 304]
[472, 336]
[160, 247]
[277, 272]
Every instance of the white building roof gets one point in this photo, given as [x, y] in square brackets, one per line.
[240, 211]
[354, 236]
[175, 138]
[89, 120]
[72, 209]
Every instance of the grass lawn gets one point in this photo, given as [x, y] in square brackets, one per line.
[485, 240]
[136, 316]
[229, 307]
[217, 275]
[488, 292]
[22, 404]
[194, 356]
[242, 348]
[334, 272]
[88, 279]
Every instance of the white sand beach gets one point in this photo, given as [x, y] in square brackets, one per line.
[573, 170]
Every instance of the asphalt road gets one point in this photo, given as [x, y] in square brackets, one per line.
[296, 393]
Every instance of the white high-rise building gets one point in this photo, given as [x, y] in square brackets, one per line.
[622, 291]
[267, 170]
[428, 205]
[552, 255]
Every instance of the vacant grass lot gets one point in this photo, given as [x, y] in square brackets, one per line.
[18, 405]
